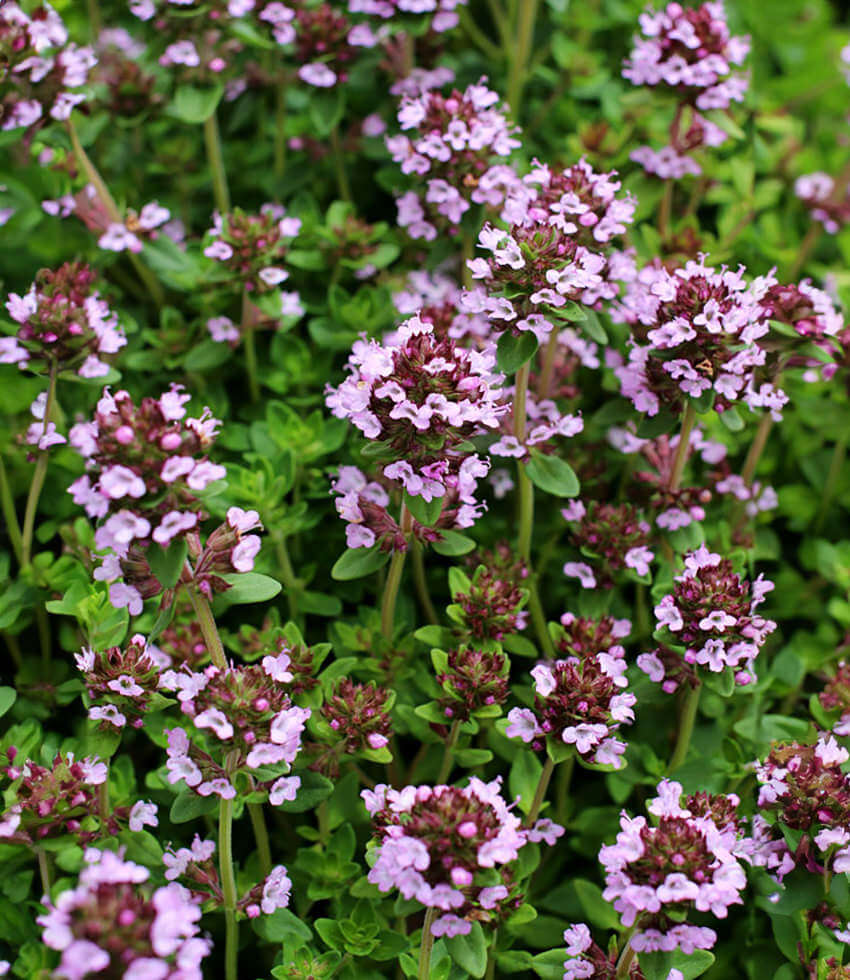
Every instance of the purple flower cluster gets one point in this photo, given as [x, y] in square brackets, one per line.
[828, 202]
[41, 69]
[122, 682]
[441, 15]
[711, 614]
[588, 960]
[656, 873]
[490, 604]
[436, 843]
[457, 137]
[63, 322]
[423, 398]
[435, 298]
[613, 536]
[695, 330]
[146, 463]
[578, 701]
[692, 52]
[113, 924]
[475, 681]
[546, 422]
[243, 720]
[804, 788]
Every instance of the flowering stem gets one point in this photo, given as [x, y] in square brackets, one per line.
[280, 130]
[446, 766]
[688, 420]
[664, 211]
[212, 141]
[228, 887]
[686, 728]
[7, 503]
[43, 869]
[149, 280]
[421, 582]
[467, 253]
[490, 973]
[524, 485]
[424, 972]
[839, 456]
[540, 794]
[544, 383]
[756, 449]
[538, 617]
[805, 249]
[39, 475]
[287, 574]
[206, 621]
[261, 836]
[339, 165]
[562, 788]
[477, 36]
[394, 578]
[247, 330]
[519, 50]
[624, 964]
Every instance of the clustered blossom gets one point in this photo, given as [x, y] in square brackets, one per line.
[691, 51]
[803, 787]
[43, 432]
[42, 71]
[127, 235]
[51, 800]
[437, 844]
[121, 682]
[251, 249]
[578, 701]
[63, 322]
[588, 960]
[435, 298]
[146, 464]
[555, 252]
[243, 720]
[326, 43]
[711, 614]
[114, 924]
[613, 536]
[457, 138]
[828, 202]
[489, 606]
[545, 421]
[355, 719]
[656, 873]
[473, 681]
[578, 636]
[364, 505]
[441, 15]
[423, 398]
[695, 330]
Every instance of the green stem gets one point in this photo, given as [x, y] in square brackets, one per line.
[280, 130]
[215, 159]
[467, 245]
[518, 52]
[478, 37]
[420, 580]
[38, 477]
[339, 165]
[247, 329]
[287, 574]
[624, 964]
[839, 457]
[394, 579]
[686, 728]
[544, 383]
[43, 869]
[756, 449]
[228, 888]
[524, 485]
[562, 788]
[206, 620]
[7, 503]
[538, 617]
[682, 450]
[149, 280]
[540, 794]
[490, 972]
[261, 836]
[446, 766]
[424, 972]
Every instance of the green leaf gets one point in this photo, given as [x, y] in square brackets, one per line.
[453, 544]
[657, 966]
[250, 587]
[552, 474]
[524, 778]
[313, 789]
[206, 355]
[189, 806]
[513, 351]
[572, 311]
[593, 328]
[282, 926]
[193, 104]
[469, 951]
[732, 420]
[427, 512]
[7, 699]
[168, 563]
[657, 425]
[357, 562]
[599, 912]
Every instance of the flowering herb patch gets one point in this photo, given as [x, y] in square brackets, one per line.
[423, 470]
